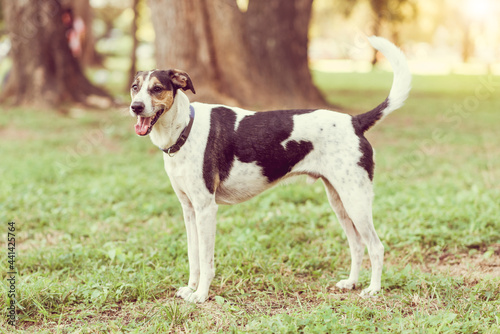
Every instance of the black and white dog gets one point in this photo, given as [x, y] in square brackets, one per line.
[214, 154]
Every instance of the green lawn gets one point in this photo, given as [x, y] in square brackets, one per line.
[100, 243]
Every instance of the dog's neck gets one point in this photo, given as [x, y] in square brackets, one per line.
[170, 125]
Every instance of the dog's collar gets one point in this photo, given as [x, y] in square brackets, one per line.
[183, 136]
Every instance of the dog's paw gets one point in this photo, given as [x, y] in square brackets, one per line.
[346, 284]
[191, 296]
[370, 291]
[197, 297]
[184, 292]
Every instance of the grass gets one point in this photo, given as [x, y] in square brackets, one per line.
[100, 243]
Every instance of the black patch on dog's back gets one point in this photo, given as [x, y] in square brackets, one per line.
[258, 139]
[219, 152]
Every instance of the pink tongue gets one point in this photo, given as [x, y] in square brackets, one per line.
[142, 126]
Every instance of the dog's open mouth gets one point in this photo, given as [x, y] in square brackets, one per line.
[144, 125]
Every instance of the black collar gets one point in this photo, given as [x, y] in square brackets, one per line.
[183, 136]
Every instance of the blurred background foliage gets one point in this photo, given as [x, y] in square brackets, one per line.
[438, 36]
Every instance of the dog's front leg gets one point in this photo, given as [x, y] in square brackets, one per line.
[205, 225]
[193, 251]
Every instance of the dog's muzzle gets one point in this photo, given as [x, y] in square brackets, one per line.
[144, 125]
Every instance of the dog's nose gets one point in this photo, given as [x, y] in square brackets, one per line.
[137, 107]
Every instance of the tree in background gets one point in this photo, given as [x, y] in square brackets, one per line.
[44, 71]
[135, 42]
[256, 56]
[392, 12]
[1, 21]
[82, 9]
[388, 14]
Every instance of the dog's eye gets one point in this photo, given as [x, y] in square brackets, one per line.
[135, 87]
[157, 89]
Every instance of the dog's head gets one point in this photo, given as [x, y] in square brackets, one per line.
[153, 93]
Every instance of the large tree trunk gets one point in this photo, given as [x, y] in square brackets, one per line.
[255, 59]
[44, 72]
[277, 32]
[185, 40]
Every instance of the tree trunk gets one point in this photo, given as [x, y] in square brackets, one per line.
[184, 40]
[89, 56]
[379, 7]
[376, 32]
[277, 32]
[44, 72]
[135, 43]
[255, 59]
[467, 43]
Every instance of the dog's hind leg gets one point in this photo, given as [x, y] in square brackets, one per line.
[356, 217]
[356, 245]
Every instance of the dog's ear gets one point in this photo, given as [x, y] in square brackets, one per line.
[181, 79]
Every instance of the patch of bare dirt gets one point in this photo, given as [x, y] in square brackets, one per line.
[10, 132]
[485, 262]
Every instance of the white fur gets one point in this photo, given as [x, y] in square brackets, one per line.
[143, 96]
[401, 84]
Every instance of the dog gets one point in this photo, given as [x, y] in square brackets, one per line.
[215, 154]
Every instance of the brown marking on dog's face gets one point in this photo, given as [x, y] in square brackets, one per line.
[161, 96]
[157, 89]
[137, 84]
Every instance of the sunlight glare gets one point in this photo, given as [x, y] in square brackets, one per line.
[478, 9]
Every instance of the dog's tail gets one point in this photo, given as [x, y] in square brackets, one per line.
[401, 85]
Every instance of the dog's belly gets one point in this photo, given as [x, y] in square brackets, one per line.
[244, 182]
